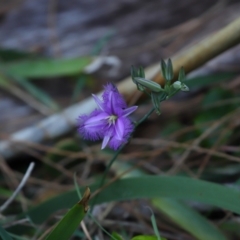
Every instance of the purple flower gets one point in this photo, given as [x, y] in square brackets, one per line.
[110, 121]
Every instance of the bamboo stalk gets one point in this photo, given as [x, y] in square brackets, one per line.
[194, 56]
[59, 124]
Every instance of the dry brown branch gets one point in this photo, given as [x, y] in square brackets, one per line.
[162, 142]
[6, 204]
[198, 140]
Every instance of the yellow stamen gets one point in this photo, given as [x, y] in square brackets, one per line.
[112, 119]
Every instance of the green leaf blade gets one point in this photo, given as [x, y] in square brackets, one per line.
[146, 237]
[188, 219]
[41, 68]
[4, 234]
[70, 222]
[151, 187]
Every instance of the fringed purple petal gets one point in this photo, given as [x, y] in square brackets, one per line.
[105, 141]
[129, 110]
[98, 102]
[124, 127]
[110, 122]
[112, 99]
[92, 127]
[119, 129]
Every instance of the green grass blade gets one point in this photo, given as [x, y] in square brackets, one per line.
[151, 187]
[80, 83]
[181, 214]
[40, 68]
[146, 237]
[188, 219]
[4, 235]
[174, 187]
[69, 223]
[37, 93]
[116, 236]
[154, 224]
[16, 237]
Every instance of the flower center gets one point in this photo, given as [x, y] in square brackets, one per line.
[112, 119]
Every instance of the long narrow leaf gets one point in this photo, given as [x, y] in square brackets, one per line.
[41, 68]
[188, 219]
[149, 187]
[4, 235]
[69, 223]
[37, 93]
[181, 214]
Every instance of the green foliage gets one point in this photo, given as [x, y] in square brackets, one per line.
[164, 192]
[4, 235]
[167, 69]
[116, 236]
[40, 68]
[39, 94]
[212, 111]
[146, 237]
[69, 223]
[161, 186]
[154, 225]
[81, 81]
[188, 219]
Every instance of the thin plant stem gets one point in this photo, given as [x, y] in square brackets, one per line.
[119, 150]
[110, 164]
[144, 118]
[107, 170]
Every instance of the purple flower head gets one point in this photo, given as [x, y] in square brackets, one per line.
[110, 121]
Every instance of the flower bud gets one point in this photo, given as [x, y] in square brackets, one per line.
[180, 86]
[153, 86]
[177, 85]
[167, 69]
[184, 87]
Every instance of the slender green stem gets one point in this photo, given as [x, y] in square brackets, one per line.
[110, 164]
[173, 93]
[144, 118]
[107, 170]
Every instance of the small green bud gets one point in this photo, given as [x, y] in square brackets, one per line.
[153, 86]
[180, 86]
[177, 85]
[134, 73]
[169, 74]
[167, 69]
[181, 75]
[184, 88]
[163, 68]
[140, 87]
[141, 72]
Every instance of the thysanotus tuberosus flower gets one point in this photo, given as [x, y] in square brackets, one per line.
[110, 121]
